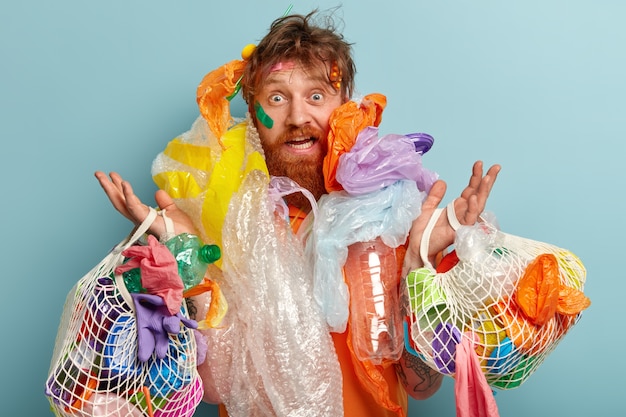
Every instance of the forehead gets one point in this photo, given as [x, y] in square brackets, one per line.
[293, 73]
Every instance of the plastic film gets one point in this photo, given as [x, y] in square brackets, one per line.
[274, 326]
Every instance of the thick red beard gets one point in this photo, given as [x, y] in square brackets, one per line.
[307, 171]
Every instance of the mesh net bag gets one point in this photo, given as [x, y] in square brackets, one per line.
[95, 369]
[513, 298]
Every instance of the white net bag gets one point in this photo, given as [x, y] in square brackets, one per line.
[95, 368]
[513, 298]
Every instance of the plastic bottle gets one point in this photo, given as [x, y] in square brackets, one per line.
[192, 257]
[371, 272]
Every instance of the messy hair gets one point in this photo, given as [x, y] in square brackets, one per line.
[303, 40]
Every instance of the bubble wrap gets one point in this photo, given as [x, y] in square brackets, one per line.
[280, 359]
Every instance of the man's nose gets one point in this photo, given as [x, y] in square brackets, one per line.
[299, 114]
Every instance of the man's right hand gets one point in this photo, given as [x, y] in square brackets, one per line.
[121, 195]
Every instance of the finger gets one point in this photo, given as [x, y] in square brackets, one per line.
[411, 262]
[161, 343]
[145, 344]
[182, 222]
[435, 195]
[473, 211]
[493, 172]
[474, 181]
[171, 324]
[113, 193]
[192, 324]
[164, 201]
[485, 187]
[116, 179]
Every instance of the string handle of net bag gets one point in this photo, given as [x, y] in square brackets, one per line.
[425, 242]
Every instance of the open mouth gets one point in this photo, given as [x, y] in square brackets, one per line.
[302, 143]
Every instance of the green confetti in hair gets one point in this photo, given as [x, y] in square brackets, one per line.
[262, 116]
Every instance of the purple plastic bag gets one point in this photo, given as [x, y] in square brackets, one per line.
[374, 163]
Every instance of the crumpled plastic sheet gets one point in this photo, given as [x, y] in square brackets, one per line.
[375, 162]
[490, 270]
[344, 219]
[280, 359]
[281, 187]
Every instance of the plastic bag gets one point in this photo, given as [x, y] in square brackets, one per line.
[201, 173]
[213, 95]
[376, 162]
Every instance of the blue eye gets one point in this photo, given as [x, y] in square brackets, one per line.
[276, 99]
[317, 97]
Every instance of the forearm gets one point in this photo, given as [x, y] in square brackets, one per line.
[419, 380]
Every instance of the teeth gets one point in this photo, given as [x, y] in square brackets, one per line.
[301, 143]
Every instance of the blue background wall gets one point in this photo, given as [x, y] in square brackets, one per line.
[537, 86]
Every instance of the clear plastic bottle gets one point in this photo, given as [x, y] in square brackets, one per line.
[371, 272]
[192, 257]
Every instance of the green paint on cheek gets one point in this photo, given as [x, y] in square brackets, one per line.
[262, 116]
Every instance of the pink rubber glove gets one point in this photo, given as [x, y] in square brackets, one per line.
[159, 272]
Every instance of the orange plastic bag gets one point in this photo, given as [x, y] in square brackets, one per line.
[540, 293]
[538, 289]
[213, 93]
[571, 301]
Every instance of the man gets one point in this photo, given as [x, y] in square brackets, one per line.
[297, 76]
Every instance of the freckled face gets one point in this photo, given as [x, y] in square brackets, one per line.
[299, 104]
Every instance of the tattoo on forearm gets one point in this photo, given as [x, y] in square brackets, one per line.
[192, 310]
[425, 376]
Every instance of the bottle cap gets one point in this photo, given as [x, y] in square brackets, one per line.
[210, 253]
